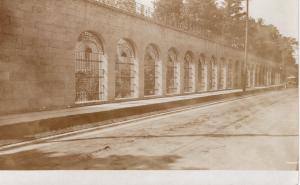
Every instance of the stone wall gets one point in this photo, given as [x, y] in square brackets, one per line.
[38, 38]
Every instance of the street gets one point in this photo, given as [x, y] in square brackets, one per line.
[252, 133]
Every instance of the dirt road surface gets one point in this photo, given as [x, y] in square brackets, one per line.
[254, 133]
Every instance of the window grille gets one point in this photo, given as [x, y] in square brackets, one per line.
[229, 76]
[209, 75]
[214, 76]
[151, 72]
[90, 68]
[237, 74]
[172, 78]
[188, 73]
[220, 75]
[200, 76]
[89, 77]
[172, 75]
[125, 71]
[125, 77]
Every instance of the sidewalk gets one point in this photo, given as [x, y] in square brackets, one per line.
[19, 125]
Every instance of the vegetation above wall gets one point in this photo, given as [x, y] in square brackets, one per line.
[227, 19]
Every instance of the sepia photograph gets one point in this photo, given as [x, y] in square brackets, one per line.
[182, 87]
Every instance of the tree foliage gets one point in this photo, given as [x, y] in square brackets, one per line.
[227, 20]
[197, 12]
[170, 11]
[129, 5]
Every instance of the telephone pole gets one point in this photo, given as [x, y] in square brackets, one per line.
[245, 76]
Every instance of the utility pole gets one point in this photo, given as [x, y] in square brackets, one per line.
[245, 75]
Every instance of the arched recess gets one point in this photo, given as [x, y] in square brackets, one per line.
[90, 69]
[268, 75]
[214, 74]
[172, 72]
[277, 76]
[273, 72]
[189, 73]
[152, 71]
[253, 75]
[222, 73]
[257, 76]
[229, 74]
[261, 75]
[265, 75]
[237, 74]
[248, 76]
[209, 65]
[202, 74]
[126, 70]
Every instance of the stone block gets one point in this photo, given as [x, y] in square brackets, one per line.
[25, 6]
[7, 42]
[4, 19]
[4, 75]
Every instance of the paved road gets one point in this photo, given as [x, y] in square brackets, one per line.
[254, 133]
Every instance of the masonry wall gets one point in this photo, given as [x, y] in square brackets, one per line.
[38, 38]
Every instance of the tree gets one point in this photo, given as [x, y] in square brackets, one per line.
[169, 11]
[233, 23]
[205, 14]
[128, 5]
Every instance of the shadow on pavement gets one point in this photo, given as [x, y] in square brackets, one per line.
[36, 160]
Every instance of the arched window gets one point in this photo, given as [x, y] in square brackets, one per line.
[126, 71]
[272, 76]
[214, 75]
[266, 75]
[152, 72]
[222, 74]
[237, 75]
[249, 75]
[172, 72]
[261, 75]
[229, 74]
[189, 74]
[253, 75]
[202, 74]
[90, 69]
[257, 75]
[209, 74]
[250, 69]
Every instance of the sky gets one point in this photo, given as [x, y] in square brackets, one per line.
[281, 13]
